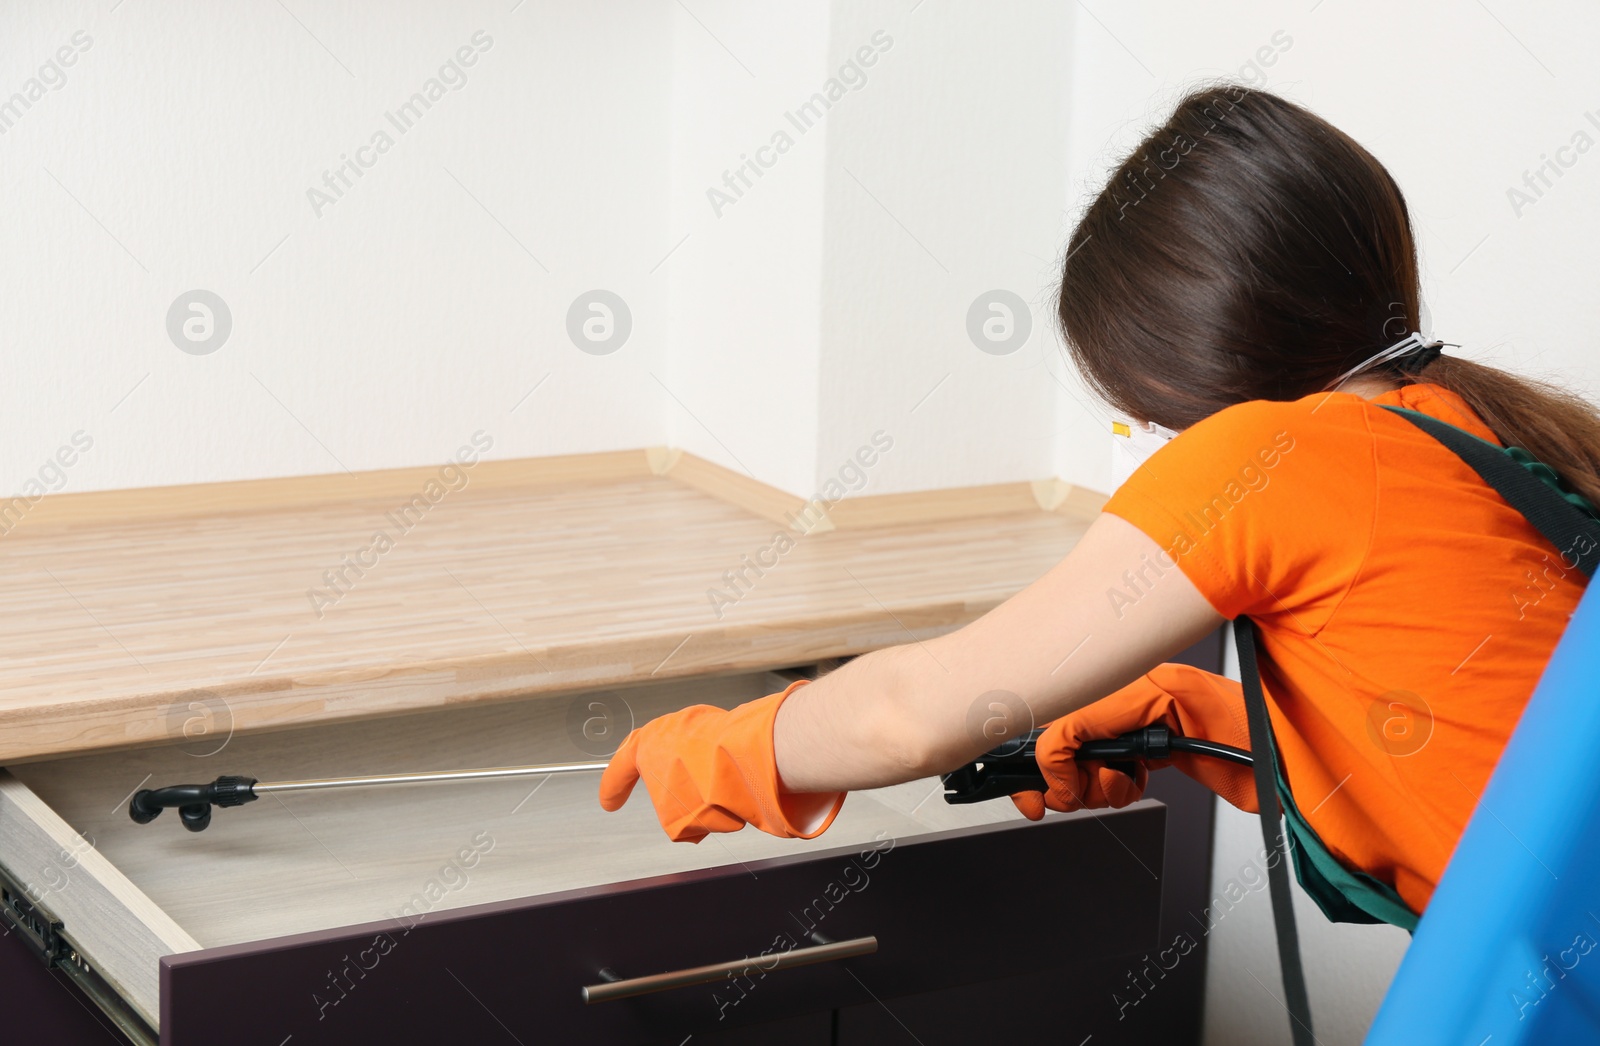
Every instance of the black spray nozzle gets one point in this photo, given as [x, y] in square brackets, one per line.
[193, 801]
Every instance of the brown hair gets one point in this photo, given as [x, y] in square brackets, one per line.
[1248, 249]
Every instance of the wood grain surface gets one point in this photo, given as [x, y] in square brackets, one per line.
[203, 625]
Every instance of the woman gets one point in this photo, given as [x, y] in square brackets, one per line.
[1248, 280]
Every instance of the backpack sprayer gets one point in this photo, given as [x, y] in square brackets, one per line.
[1006, 769]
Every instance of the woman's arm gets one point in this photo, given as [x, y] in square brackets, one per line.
[1114, 608]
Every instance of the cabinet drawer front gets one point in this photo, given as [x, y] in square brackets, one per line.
[951, 908]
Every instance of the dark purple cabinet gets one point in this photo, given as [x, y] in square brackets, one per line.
[955, 908]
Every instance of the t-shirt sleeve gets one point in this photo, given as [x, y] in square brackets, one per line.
[1267, 507]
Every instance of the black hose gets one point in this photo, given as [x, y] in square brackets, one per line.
[1200, 746]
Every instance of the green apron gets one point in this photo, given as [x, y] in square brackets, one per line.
[1344, 896]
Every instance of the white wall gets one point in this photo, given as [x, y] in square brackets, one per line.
[745, 285]
[384, 324]
[945, 182]
[828, 299]
[416, 309]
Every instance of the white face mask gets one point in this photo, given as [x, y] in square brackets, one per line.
[1133, 443]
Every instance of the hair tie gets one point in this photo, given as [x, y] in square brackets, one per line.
[1415, 361]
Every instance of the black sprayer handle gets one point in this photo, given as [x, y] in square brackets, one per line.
[1011, 767]
[194, 802]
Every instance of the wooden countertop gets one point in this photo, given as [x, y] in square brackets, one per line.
[139, 631]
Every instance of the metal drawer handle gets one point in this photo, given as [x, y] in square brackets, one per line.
[826, 951]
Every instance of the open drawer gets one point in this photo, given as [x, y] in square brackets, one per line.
[479, 912]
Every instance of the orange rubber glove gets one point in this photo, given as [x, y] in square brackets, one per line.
[1191, 702]
[711, 769]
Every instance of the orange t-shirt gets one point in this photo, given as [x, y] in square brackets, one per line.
[1405, 610]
